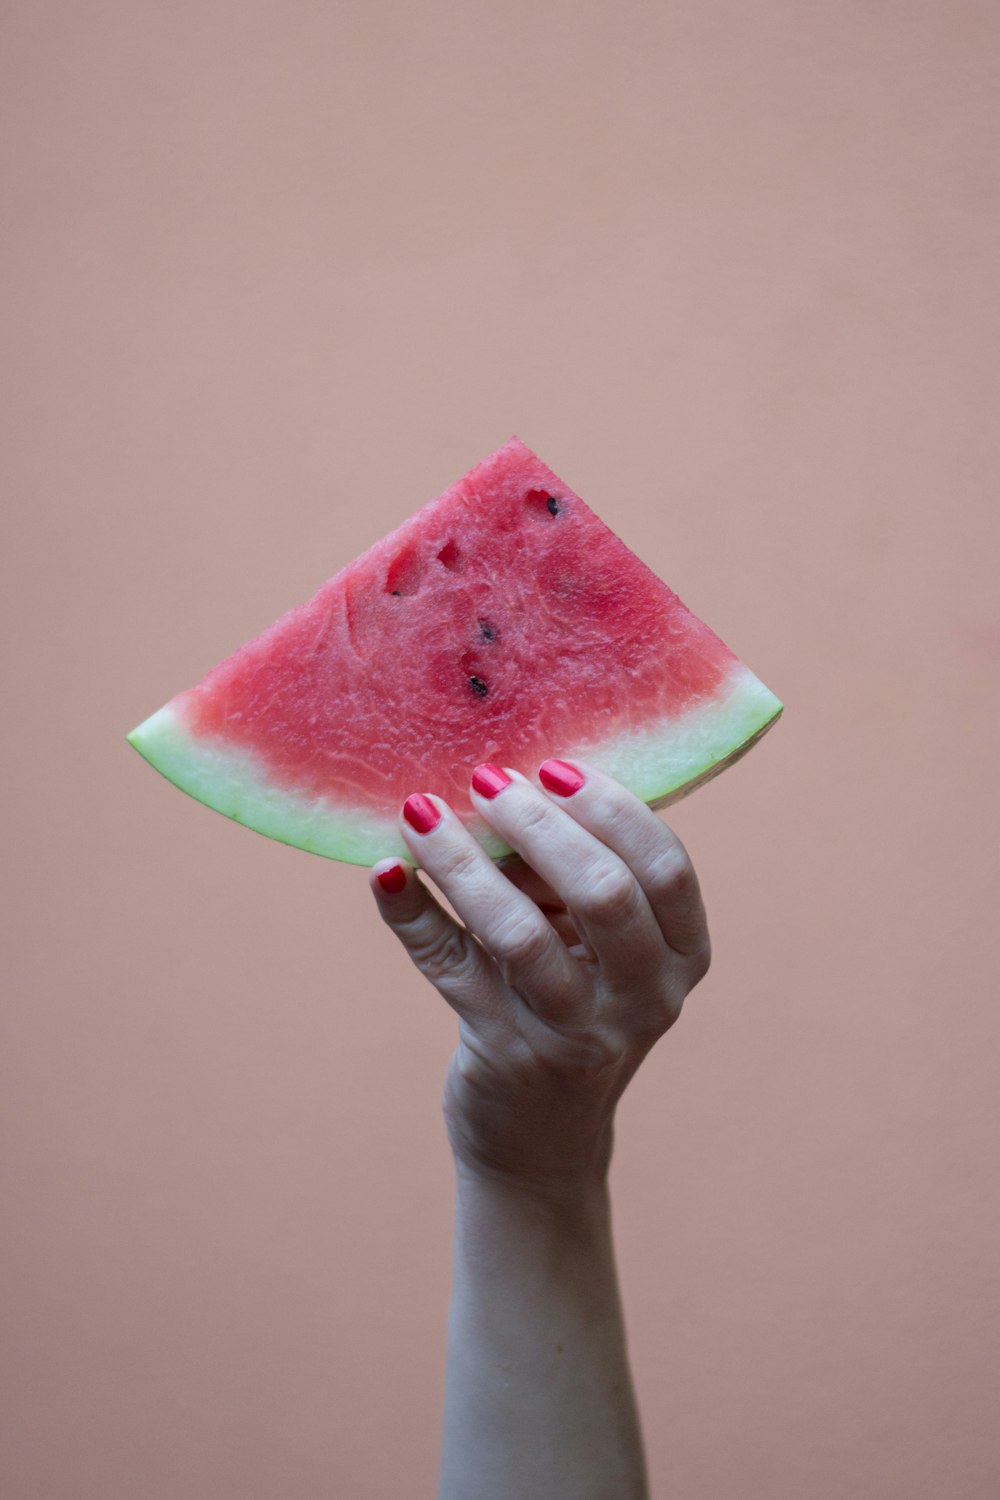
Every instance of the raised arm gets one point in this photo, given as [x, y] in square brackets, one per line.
[565, 968]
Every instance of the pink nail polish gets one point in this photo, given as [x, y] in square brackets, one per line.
[420, 812]
[559, 777]
[488, 780]
[392, 880]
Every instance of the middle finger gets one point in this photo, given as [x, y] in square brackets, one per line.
[605, 900]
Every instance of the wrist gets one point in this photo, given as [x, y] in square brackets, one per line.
[498, 1218]
[568, 1193]
[561, 1168]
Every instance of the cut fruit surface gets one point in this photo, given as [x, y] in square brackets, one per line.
[502, 622]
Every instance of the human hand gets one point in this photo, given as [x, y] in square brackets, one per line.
[566, 967]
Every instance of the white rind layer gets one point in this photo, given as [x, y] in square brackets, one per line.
[661, 763]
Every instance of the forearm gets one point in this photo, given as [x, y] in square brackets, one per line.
[539, 1402]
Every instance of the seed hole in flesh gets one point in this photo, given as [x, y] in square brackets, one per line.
[541, 504]
[449, 555]
[487, 631]
[405, 574]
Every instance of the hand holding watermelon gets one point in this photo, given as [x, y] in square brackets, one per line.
[559, 997]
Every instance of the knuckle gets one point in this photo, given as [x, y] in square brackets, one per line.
[648, 1027]
[460, 862]
[689, 933]
[521, 942]
[534, 813]
[671, 875]
[673, 888]
[700, 960]
[618, 816]
[655, 1019]
[611, 895]
[591, 1054]
[446, 952]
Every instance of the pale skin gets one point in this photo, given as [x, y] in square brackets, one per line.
[566, 966]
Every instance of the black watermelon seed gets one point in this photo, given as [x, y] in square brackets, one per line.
[487, 631]
[395, 593]
[553, 505]
[478, 686]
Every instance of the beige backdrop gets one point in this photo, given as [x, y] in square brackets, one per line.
[277, 273]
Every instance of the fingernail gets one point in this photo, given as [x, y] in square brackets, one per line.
[487, 780]
[556, 776]
[392, 880]
[420, 812]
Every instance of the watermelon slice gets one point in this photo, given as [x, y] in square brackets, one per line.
[502, 622]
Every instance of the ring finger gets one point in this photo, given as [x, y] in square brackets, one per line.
[649, 848]
[606, 902]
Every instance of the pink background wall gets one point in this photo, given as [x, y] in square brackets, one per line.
[276, 274]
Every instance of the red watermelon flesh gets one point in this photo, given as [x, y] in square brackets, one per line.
[504, 621]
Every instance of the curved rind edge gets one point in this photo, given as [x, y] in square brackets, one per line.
[229, 780]
[660, 763]
[664, 762]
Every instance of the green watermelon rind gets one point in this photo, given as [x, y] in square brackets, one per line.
[660, 762]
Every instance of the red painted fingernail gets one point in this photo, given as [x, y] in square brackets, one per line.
[487, 780]
[420, 812]
[392, 880]
[556, 776]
